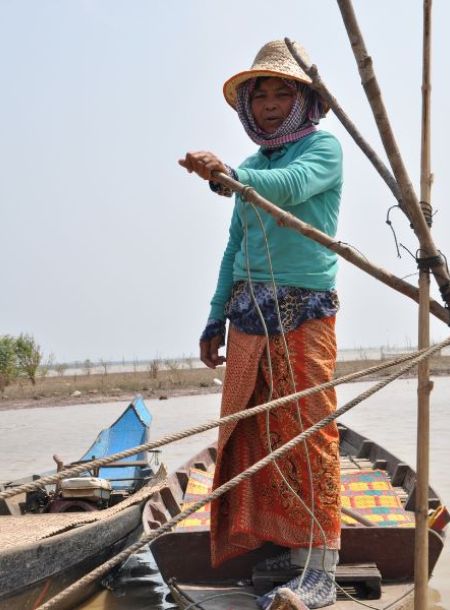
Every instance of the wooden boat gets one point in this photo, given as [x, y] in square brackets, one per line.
[50, 538]
[376, 561]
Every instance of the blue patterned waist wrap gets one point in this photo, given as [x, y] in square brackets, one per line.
[296, 305]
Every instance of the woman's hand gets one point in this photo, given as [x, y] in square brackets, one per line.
[209, 352]
[202, 163]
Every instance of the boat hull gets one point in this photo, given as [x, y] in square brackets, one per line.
[43, 553]
[32, 574]
[359, 545]
[384, 550]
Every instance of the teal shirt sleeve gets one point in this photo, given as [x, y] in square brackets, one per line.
[225, 281]
[315, 171]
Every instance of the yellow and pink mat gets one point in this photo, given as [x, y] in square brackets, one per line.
[368, 493]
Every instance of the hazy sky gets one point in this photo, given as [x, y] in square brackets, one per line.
[108, 248]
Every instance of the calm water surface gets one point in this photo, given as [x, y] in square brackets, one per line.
[29, 438]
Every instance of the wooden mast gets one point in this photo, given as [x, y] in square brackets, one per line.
[424, 385]
[420, 217]
[409, 197]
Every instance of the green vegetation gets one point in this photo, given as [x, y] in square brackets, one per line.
[29, 357]
[8, 361]
[19, 357]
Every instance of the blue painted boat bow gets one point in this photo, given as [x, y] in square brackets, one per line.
[132, 428]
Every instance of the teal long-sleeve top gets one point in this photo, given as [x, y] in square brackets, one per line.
[304, 178]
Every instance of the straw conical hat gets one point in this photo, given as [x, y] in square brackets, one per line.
[274, 59]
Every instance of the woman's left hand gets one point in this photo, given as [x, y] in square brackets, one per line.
[202, 163]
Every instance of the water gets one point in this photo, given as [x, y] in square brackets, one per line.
[29, 437]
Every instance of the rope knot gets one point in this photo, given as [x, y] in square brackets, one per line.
[246, 192]
[425, 263]
[282, 219]
[427, 212]
[445, 294]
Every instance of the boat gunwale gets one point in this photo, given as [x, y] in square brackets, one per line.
[350, 439]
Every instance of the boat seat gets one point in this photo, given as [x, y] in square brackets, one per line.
[362, 580]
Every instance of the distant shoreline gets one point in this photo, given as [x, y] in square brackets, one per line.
[70, 389]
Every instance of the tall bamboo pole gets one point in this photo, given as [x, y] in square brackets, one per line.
[408, 195]
[319, 85]
[424, 386]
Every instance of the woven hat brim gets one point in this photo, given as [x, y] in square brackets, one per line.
[231, 85]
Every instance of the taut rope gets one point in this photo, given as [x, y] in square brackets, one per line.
[276, 454]
[170, 438]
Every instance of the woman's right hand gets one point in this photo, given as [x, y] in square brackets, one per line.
[209, 352]
[203, 163]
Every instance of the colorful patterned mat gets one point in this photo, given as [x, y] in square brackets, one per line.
[370, 494]
[199, 486]
[366, 492]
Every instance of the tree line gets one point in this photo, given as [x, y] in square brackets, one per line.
[19, 357]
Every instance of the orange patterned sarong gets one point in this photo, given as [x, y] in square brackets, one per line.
[264, 508]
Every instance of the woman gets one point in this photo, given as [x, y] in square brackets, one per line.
[276, 287]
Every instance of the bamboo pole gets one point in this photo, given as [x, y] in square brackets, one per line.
[421, 567]
[347, 252]
[409, 198]
[318, 85]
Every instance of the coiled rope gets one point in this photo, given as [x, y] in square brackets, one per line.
[171, 438]
[276, 454]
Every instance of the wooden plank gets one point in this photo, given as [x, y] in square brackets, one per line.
[365, 579]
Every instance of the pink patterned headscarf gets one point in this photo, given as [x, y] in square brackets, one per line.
[306, 112]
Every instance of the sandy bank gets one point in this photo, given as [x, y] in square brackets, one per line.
[162, 384]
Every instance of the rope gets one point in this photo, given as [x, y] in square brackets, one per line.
[445, 288]
[217, 596]
[445, 292]
[389, 222]
[427, 212]
[425, 263]
[277, 453]
[171, 438]
[309, 509]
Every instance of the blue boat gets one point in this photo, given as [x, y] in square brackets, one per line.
[61, 533]
[132, 428]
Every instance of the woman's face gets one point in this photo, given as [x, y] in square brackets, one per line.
[271, 103]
